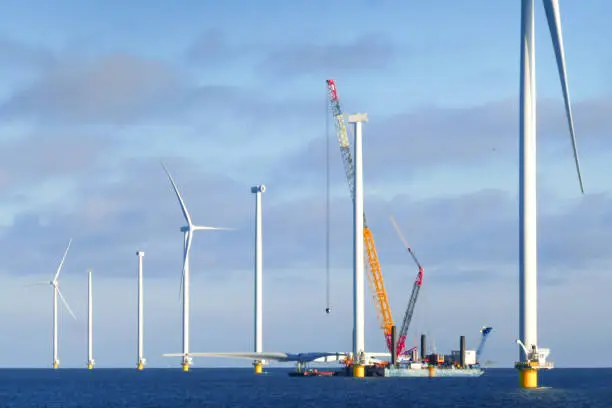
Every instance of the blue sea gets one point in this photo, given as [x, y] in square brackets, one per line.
[239, 387]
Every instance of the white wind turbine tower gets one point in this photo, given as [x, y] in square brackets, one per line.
[90, 360]
[56, 291]
[258, 297]
[532, 357]
[188, 231]
[141, 360]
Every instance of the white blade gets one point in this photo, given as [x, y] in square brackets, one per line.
[274, 356]
[178, 195]
[59, 269]
[59, 292]
[203, 228]
[554, 23]
[185, 258]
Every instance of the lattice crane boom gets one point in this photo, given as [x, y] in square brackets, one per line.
[375, 278]
[416, 287]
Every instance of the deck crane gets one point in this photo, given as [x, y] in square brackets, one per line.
[401, 341]
[375, 278]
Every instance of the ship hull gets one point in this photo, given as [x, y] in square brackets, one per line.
[438, 372]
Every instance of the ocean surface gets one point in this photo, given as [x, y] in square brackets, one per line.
[239, 387]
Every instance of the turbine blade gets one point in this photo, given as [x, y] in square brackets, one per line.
[178, 195]
[554, 24]
[65, 302]
[204, 228]
[59, 269]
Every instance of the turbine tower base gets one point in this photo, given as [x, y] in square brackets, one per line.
[258, 367]
[56, 364]
[358, 371]
[90, 366]
[528, 378]
[141, 364]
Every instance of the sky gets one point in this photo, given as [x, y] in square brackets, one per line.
[94, 95]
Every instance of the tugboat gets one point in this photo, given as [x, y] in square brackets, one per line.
[303, 371]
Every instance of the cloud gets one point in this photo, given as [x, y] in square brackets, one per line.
[367, 52]
[17, 54]
[43, 155]
[114, 88]
[398, 147]
[212, 48]
[122, 90]
[477, 231]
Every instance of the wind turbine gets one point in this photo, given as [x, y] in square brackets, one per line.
[532, 358]
[188, 231]
[56, 291]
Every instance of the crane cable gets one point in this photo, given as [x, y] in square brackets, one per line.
[327, 230]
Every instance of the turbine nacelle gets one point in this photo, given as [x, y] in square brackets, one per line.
[258, 189]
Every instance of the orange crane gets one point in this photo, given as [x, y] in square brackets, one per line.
[375, 278]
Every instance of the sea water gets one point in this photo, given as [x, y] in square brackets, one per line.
[239, 387]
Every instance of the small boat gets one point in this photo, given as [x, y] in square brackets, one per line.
[312, 372]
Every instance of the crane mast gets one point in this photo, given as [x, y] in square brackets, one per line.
[416, 287]
[375, 278]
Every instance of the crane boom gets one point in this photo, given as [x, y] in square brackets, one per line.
[375, 278]
[416, 287]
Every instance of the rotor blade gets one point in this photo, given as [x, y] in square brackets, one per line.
[554, 24]
[178, 195]
[59, 269]
[203, 228]
[59, 292]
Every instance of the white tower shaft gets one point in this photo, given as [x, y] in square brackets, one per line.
[528, 326]
[258, 275]
[90, 360]
[55, 354]
[258, 283]
[140, 312]
[186, 359]
[358, 254]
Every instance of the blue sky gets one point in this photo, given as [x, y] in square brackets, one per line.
[229, 94]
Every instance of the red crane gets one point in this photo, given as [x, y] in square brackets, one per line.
[416, 287]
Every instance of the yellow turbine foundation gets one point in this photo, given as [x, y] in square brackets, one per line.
[55, 365]
[140, 366]
[185, 367]
[431, 371]
[258, 367]
[90, 366]
[528, 378]
[358, 371]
